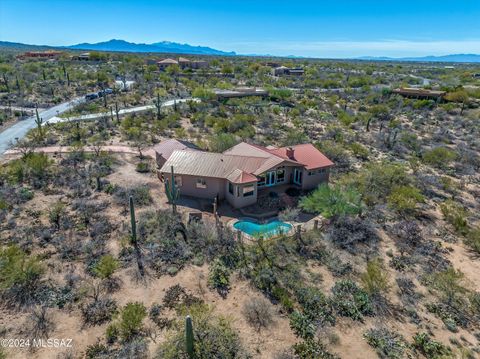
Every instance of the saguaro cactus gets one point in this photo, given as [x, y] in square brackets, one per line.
[39, 122]
[189, 337]
[172, 191]
[134, 240]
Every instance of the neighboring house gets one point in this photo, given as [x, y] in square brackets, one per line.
[163, 64]
[164, 149]
[283, 70]
[239, 173]
[419, 93]
[240, 92]
[43, 55]
[183, 63]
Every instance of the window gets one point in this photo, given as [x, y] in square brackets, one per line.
[230, 187]
[281, 175]
[178, 181]
[201, 183]
[248, 191]
[311, 173]
[261, 180]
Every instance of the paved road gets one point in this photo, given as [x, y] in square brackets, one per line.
[20, 129]
[125, 111]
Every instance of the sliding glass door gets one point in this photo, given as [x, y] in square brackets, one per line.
[297, 176]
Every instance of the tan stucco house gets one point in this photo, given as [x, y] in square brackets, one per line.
[239, 173]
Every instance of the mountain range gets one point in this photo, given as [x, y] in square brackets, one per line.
[125, 46]
[444, 58]
[177, 48]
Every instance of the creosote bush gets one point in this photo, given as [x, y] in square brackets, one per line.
[388, 344]
[214, 336]
[258, 313]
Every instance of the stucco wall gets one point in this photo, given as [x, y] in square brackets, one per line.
[311, 182]
[215, 186]
[240, 201]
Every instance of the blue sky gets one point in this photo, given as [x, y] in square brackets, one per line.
[322, 28]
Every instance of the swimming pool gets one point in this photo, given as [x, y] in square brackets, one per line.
[269, 229]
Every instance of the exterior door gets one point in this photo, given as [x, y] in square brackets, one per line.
[297, 176]
[270, 178]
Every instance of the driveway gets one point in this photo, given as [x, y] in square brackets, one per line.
[20, 129]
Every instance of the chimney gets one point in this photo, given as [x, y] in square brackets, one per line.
[290, 153]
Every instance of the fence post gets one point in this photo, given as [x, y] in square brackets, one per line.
[315, 224]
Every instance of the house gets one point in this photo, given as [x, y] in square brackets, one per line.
[42, 55]
[419, 93]
[241, 172]
[240, 92]
[163, 64]
[184, 63]
[283, 70]
[83, 57]
[164, 149]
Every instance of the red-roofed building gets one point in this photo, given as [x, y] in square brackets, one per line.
[239, 173]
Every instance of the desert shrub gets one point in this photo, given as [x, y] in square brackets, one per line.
[155, 315]
[219, 277]
[106, 266]
[429, 347]
[439, 157]
[449, 283]
[375, 278]
[332, 201]
[134, 349]
[222, 142]
[98, 311]
[258, 313]
[359, 150]
[408, 236]
[39, 323]
[312, 349]
[387, 344]
[316, 306]
[455, 214]
[214, 336]
[97, 351]
[405, 199]
[20, 276]
[173, 296]
[351, 233]
[473, 240]
[130, 320]
[289, 214]
[142, 167]
[351, 301]
[33, 167]
[302, 325]
[141, 195]
[56, 213]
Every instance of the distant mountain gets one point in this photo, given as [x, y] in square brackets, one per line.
[445, 58]
[158, 47]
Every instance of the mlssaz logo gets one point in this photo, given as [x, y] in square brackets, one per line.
[52, 343]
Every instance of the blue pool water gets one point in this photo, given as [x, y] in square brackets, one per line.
[269, 229]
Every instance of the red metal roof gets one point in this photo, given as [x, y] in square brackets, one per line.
[239, 177]
[166, 148]
[241, 163]
[305, 154]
